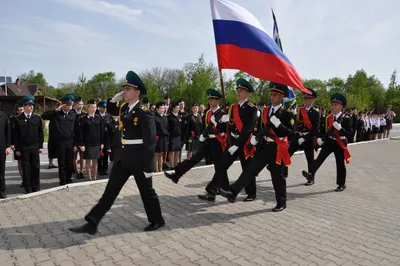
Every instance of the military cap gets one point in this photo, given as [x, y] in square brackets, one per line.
[28, 99]
[340, 98]
[213, 94]
[159, 104]
[134, 81]
[69, 98]
[194, 104]
[244, 84]
[19, 103]
[312, 95]
[273, 86]
[78, 99]
[91, 101]
[145, 100]
[102, 103]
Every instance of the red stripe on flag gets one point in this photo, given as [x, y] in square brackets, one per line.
[258, 64]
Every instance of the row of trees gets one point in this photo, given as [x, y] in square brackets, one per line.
[190, 82]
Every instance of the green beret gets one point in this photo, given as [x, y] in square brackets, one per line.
[69, 98]
[312, 95]
[133, 80]
[213, 94]
[244, 84]
[340, 98]
[28, 99]
[279, 88]
[102, 103]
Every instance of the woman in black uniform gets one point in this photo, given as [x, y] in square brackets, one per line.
[162, 135]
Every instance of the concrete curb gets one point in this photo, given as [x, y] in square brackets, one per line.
[88, 183]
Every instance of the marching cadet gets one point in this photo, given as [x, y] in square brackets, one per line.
[276, 128]
[338, 130]
[162, 135]
[19, 110]
[194, 127]
[242, 119]
[112, 140]
[137, 157]
[175, 124]
[5, 149]
[91, 138]
[65, 132]
[308, 125]
[78, 109]
[103, 160]
[29, 140]
[214, 144]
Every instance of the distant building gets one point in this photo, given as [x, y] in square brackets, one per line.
[10, 93]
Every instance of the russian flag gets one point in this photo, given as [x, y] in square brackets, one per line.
[243, 44]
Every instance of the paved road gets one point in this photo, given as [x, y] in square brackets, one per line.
[359, 226]
[49, 178]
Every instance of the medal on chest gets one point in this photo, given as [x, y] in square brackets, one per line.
[135, 121]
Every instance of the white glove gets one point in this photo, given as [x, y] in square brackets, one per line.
[202, 139]
[148, 175]
[224, 119]
[337, 126]
[117, 97]
[258, 113]
[213, 120]
[275, 121]
[253, 141]
[300, 141]
[320, 142]
[233, 149]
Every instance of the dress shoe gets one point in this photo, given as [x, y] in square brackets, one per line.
[207, 196]
[340, 188]
[172, 176]
[154, 226]
[3, 195]
[250, 197]
[28, 190]
[35, 189]
[165, 166]
[310, 182]
[228, 194]
[279, 208]
[84, 229]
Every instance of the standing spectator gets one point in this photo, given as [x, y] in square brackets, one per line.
[390, 115]
[5, 149]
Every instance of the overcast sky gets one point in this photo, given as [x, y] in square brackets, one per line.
[63, 38]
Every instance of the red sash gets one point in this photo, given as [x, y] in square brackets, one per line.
[347, 155]
[307, 122]
[221, 139]
[282, 149]
[239, 125]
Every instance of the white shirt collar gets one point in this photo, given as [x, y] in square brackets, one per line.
[132, 105]
[275, 108]
[78, 112]
[308, 108]
[337, 115]
[26, 115]
[215, 109]
[241, 103]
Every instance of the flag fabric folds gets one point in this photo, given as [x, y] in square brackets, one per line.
[243, 44]
[275, 34]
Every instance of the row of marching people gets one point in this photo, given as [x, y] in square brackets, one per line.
[268, 139]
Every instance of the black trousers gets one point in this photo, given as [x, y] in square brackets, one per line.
[308, 147]
[265, 155]
[212, 148]
[118, 177]
[224, 164]
[65, 157]
[329, 147]
[102, 162]
[2, 169]
[30, 169]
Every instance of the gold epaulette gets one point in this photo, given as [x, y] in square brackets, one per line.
[316, 109]
[144, 108]
[251, 104]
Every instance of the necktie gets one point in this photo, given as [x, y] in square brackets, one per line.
[334, 118]
[272, 112]
[28, 116]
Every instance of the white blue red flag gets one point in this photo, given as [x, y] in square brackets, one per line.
[242, 43]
